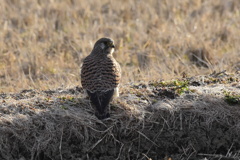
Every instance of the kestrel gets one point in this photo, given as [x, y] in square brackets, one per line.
[100, 76]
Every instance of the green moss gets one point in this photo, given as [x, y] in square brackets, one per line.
[173, 83]
[63, 107]
[68, 98]
[232, 98]
[182, 89]
[233, 79]
[179, 86]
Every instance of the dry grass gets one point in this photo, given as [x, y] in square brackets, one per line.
[43, 42]
[145, 122]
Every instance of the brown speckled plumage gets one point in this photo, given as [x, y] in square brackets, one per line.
[100, 75]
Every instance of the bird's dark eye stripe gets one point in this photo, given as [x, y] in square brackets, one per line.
[110, 43]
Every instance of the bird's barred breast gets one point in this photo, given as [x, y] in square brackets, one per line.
[100, 74]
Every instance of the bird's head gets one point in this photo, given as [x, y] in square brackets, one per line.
[104, 45]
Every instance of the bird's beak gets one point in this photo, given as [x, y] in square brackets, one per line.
[113, 46]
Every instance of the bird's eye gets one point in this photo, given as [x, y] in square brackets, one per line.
[110, 44]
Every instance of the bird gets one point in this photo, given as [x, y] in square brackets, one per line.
[100, 76]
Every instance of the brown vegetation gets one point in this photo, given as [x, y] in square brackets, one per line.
[43, 42]
[188, 118]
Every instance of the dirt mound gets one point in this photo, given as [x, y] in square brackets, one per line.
[189, 118]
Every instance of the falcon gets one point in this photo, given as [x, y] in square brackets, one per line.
[100, 76]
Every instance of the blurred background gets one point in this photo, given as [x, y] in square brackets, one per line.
[43, 42]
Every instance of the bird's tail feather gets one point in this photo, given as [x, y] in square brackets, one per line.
[101, 102]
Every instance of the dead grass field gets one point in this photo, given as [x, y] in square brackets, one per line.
[43, 42]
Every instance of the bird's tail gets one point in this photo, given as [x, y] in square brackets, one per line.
[101, 102]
